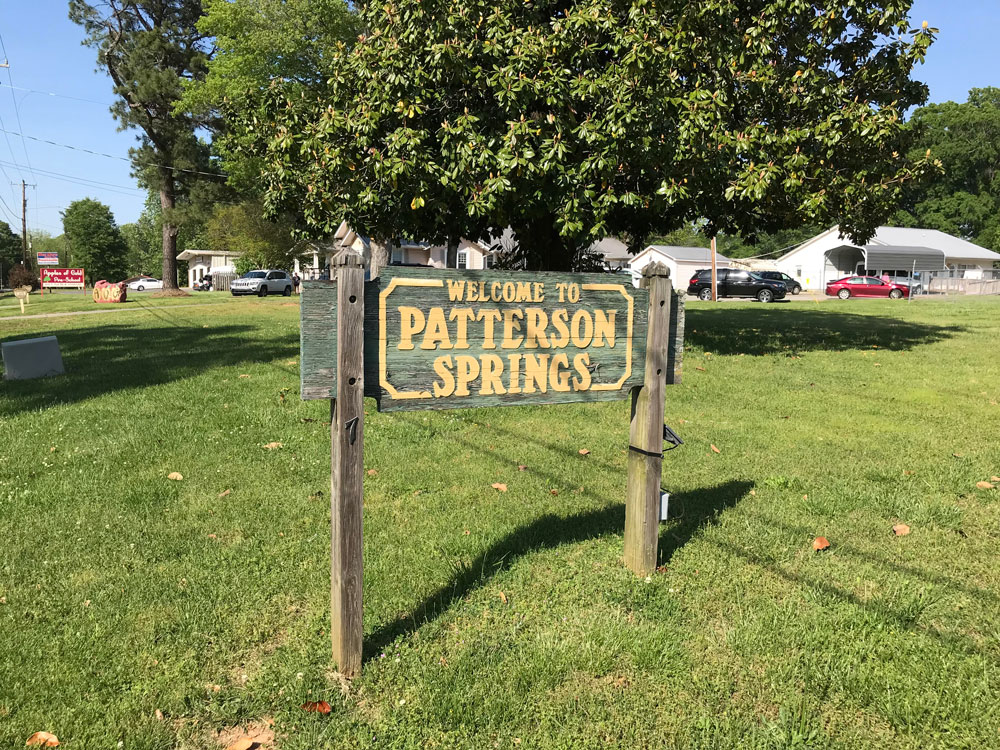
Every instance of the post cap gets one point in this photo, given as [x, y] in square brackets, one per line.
[347, 258]
[656, 269]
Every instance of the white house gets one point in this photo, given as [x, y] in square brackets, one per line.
[896, 251]
[202, 262]
[682, 262]
[471, 255]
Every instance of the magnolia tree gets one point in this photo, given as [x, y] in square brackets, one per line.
[571, 121]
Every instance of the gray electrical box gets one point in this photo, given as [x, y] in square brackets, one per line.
[664, 505]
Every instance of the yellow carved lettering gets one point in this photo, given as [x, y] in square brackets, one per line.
[437, 331]
[411, 322]
[509, 342]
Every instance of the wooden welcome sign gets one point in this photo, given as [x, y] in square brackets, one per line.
[432, 339]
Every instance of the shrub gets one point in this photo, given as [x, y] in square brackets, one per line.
[22, 276]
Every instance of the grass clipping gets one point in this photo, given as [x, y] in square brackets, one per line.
[170, 293]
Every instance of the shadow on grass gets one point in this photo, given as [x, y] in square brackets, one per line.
[790, 330]
[697, 509]
[877, 614]
[118, 357]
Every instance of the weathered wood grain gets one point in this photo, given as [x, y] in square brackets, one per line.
[347, 462]
[413, 369]
[642, 499]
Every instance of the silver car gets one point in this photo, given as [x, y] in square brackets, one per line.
[262, 282]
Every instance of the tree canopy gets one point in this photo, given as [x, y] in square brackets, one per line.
[96, 244]
[964, 200]
[242, 229]
[573, 121]
[10, 251]
[149, 47]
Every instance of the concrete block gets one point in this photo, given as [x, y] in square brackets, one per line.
[31, 358]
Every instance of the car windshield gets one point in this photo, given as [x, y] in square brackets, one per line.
[253, 275]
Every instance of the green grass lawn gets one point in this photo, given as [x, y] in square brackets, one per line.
[60, 302]
[140, 612]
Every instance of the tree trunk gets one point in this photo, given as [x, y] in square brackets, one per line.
[451, 259]
[381, 253]
[167, 201]
[543, 248]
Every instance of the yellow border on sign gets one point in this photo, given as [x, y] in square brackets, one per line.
[620, 288]
[383, 376]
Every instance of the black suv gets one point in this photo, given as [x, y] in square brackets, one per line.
[790, 284]
[734, 282]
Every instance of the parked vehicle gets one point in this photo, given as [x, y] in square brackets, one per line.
[204, 284]
[144, 283]
[262, 282]
[866, 286]
[790, 284]
[733, 282]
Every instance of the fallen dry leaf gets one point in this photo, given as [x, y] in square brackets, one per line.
[274, 446]
[175, 475]
[224, 493]
[52, 449]
[900, 529]
[244, 376]
[158, 714]
[318, 707]
[821, 543]
[522, 467]
[701, 368]
[243, 743]
[45, 739]
[714, 449]
[553, 492]
[466, 532]
[584, 452]
[907, 473]
[995, 479]
[985, 485]
[212, 536]
[499, 486]
[372, 472]
[503, 597]
[958, 455]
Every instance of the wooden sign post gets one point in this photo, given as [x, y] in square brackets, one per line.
[431, 339]
[645, 449]
[347, 423]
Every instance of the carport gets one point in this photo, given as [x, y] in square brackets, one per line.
[896, 260]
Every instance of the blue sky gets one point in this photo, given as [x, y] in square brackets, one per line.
[45, 55]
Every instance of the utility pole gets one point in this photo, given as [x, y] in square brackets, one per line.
[24, 221]
[715, 284]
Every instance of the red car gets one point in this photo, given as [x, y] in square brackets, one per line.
[866, 286]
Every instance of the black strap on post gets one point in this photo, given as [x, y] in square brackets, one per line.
[669, 436]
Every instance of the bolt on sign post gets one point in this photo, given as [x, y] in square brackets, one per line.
[441, 339]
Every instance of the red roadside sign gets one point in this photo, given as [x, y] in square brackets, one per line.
[62, 277]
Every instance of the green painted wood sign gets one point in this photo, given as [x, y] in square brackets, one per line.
[438, 339]
[430, 339]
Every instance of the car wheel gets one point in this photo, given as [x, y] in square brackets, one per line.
[895, 294]
[844, 293]
[262, 291]
[796, 289]
[287, 292]
[765, 295]
[705, 294]
[140, 288]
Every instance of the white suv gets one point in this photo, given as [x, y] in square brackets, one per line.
[262, 282]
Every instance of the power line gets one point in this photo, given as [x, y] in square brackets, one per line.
[111, 156]
[53, 93]
[86, 182]
[17, 112]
